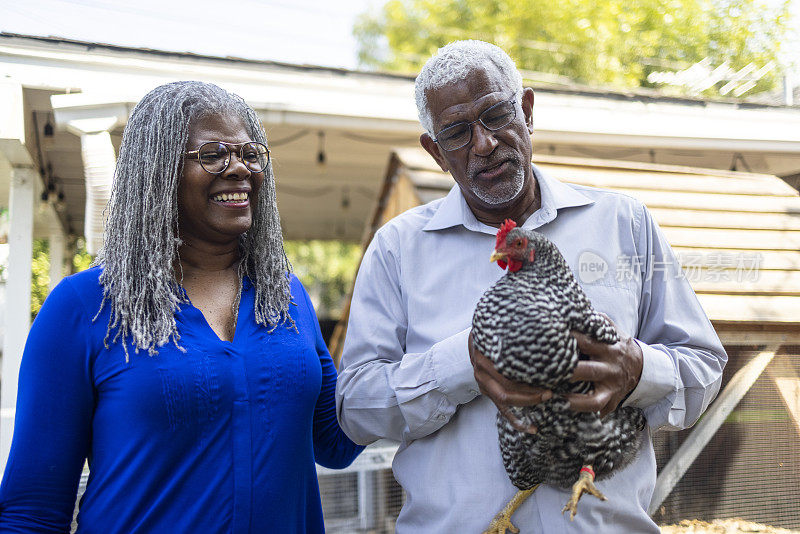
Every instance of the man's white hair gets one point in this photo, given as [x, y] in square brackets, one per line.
[455, 62]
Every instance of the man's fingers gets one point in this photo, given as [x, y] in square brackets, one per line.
[608, 408]
[589, 402]
[484, 364]
[583, 340]
[502, 391]
[590, 346]
[602, 402]
[512, 393]
[591, 371]
[611, 368]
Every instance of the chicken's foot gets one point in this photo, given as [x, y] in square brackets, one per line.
[585, 484]
[502, 521]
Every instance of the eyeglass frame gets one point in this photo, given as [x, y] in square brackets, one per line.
[231, 152]
[479, 119]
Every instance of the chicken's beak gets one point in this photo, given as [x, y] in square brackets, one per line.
[496, 255]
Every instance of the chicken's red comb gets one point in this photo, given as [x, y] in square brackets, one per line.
[506, 227]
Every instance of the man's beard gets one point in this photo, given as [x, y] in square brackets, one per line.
[501, 190]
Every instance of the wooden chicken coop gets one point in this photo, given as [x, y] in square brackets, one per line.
[737, 236]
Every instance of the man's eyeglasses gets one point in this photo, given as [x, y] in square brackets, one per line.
[459, 135]
[215, 156]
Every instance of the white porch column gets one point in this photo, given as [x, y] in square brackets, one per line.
[57, 247]
[18, 296]
[99, 161]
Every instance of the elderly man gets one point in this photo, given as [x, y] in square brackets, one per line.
[406, 372]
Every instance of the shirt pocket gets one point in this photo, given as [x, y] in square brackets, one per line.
[620, 302]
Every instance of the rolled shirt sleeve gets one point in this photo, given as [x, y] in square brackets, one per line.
[683, 358]
[384, 392]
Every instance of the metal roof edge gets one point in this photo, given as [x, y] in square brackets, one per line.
[191, 55]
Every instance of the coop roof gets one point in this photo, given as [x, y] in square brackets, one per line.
[737, 234]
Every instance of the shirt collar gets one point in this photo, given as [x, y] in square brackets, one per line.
[454, 211]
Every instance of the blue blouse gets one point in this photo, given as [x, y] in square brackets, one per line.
[221, 438]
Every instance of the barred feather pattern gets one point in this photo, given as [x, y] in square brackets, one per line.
[523, 325]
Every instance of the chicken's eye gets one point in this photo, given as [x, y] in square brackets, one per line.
[517, 243]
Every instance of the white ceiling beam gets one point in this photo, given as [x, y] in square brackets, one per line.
[79, 110]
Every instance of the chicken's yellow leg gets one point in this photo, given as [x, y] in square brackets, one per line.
[585, 484]
[502, 521]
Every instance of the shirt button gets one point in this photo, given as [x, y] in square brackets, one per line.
[474, 392]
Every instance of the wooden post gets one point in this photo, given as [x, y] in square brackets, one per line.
[702, 433]
[18, 298]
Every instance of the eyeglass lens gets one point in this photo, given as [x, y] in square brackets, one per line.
[493, 118]
[215, 156]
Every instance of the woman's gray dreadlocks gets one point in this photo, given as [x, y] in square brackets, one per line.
[141, 236]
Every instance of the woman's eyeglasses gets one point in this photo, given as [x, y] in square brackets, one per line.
[215, 156]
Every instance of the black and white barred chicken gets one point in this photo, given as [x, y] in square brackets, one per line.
[523, 323]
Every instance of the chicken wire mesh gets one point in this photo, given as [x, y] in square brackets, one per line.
[751, 467]
[364, 498]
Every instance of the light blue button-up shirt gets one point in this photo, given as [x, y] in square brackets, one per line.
[406, 375]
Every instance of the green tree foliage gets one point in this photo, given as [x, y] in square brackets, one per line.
[326, 269]
[608, 42]
[40, 270]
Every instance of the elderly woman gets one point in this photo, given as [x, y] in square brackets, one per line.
[188, 365]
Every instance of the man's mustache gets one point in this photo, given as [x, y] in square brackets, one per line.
[476, 167]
